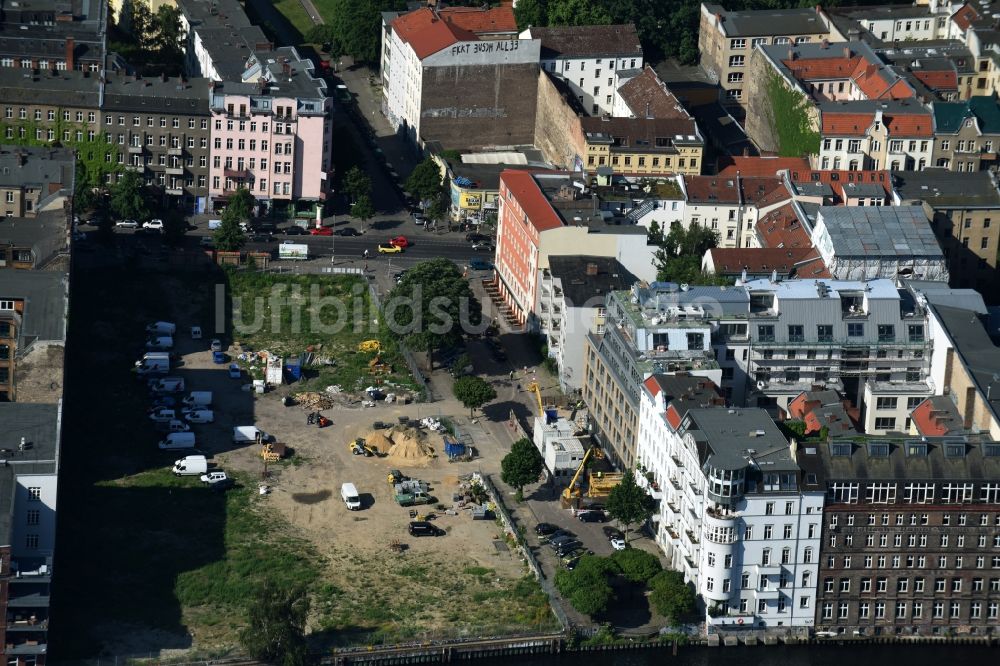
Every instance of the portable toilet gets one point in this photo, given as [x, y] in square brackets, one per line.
[293, 369]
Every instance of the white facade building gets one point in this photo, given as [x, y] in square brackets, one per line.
[737, 516]
[588, 58]
[561, 444]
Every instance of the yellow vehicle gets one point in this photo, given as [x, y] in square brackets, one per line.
[389, 248]
[360, 448]
[573, 491]
[395, 476]
[536, 389]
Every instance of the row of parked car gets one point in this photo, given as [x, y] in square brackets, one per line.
[568, 547]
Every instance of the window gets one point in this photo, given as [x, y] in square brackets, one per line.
[737, 44]
[736, 60]
[824, 332]
[33, 516]
[885, 403]
[34, 493]
[31, 541]
[768, 530]
[796, 333]
[855, 330]
[765, 333]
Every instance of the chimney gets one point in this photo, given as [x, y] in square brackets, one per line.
[163, 77]
[22, 158]
[847, 52]
[791, 53]
[591, 269]
[825, 44]
[70, 54]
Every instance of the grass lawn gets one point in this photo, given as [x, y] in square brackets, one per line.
[328, 315]
[295, 13]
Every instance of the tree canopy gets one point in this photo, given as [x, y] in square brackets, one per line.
[681, 251]
[629, 504]
[636, 565]
[357, 183]
[240, 206]
[128, 199]
[430, 305]
[523, 465]
[425, 181]
[586, 587]
[671, 596]
[276, 623]
[353, 27]
[473, 392]
[363, 208]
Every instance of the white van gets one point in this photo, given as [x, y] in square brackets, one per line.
[248, 435]
[177, 440]
[160, 342]
[350, 496]
[199, 415]
[198, 399]
[191, 466]
[153, 363]
[167, 385]
[162, 328]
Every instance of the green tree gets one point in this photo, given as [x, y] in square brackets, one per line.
[438, 210]
[586, 587]
[425, 180]
[127, 198]
[636, 565]
[461, 363]
[363, 209]
[174, 227]
[229, 237]
[357, 183]
[473, 392]
[276, 623]
[240, 206]
[83, 189]
[629, 504]
[167, 32]
[577, 12]
[680, 254]
[523, 465]
[430, 305]
[530, 13]
[353, 27]
[671, 596]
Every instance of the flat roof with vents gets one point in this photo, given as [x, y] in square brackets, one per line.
[863, 231]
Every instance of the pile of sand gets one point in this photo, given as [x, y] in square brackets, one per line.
[409, 448]
[377, 440]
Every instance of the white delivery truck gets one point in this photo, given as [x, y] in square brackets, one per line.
[248, 435]
[294, 251]
[161, 328]
[176, 441]
[191, 466]
[159, 342]
[198, 399]
[199, 415]
[350, 496]
[153, 363]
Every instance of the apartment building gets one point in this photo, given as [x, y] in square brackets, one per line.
[637, 147]
[271, 133]
[737, 515]
[731, 206]
[162, 128]
[727, 39]
[571, 305]
[459, 76]
[587, 58]
[644, 95]
[545, 214]
[895, 23]
[657, 328]
[895, 135]
[963, 209]
[219, 39]
[33, 181]
[911, 532]
[47, 34]
[49, 106]
[966, 134]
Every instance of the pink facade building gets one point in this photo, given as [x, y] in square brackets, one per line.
[271, 132]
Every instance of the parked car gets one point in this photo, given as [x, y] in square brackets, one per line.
[164, 401]
[558, 534]
[389, 248]
[618, 544]
[294, 230]
[477, 237]
[557, 541]
[612, 533]
[199, 415]
[592, 517]
[216, 345]
[483, 246]
[261, 238]
[418, 218]
[213, 477]
[478, 264]
[399, 241]
[545, 528]
[419, 528]
[162, 415]
[347, 231]
[567, 547]
[321, 231]
[234, 371]
[173, 425]
[153, 224]
[127, 224]
[206, 241]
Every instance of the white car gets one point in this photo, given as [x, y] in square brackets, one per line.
[618, 544]
[127, 224]
[199, 415]
[213, 477]
[216, 345]
[153, 224]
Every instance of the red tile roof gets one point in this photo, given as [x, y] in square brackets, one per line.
[648, 97]
[937, 416]
[720, 189]
[732, 261]
[673, 417]
[846, 123]
[823, 68]
[838, 123]
[781, 229]
[938, 79]
[838, 178]
[428, 32]
[531, 199]
[652, 385]
[964, 17]
[759, 166]
[868, 77]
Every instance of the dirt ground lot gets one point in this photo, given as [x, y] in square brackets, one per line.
[467, 582]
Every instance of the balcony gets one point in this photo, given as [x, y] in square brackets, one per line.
[719, 515]
[768, 594]
[175, 191]
[239, 174]
[135, 150]
[26, 648]
[33, 600]
[677, 461]
[138, 168]
[175, 170]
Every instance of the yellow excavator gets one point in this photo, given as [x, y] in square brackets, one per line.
[572, 493]
[537, 390]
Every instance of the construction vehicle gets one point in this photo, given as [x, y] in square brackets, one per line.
[537, 390]
[411, 486]
[395, 476]
[572, 494]
[360, 448]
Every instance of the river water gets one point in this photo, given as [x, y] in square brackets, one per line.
[800, 655]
